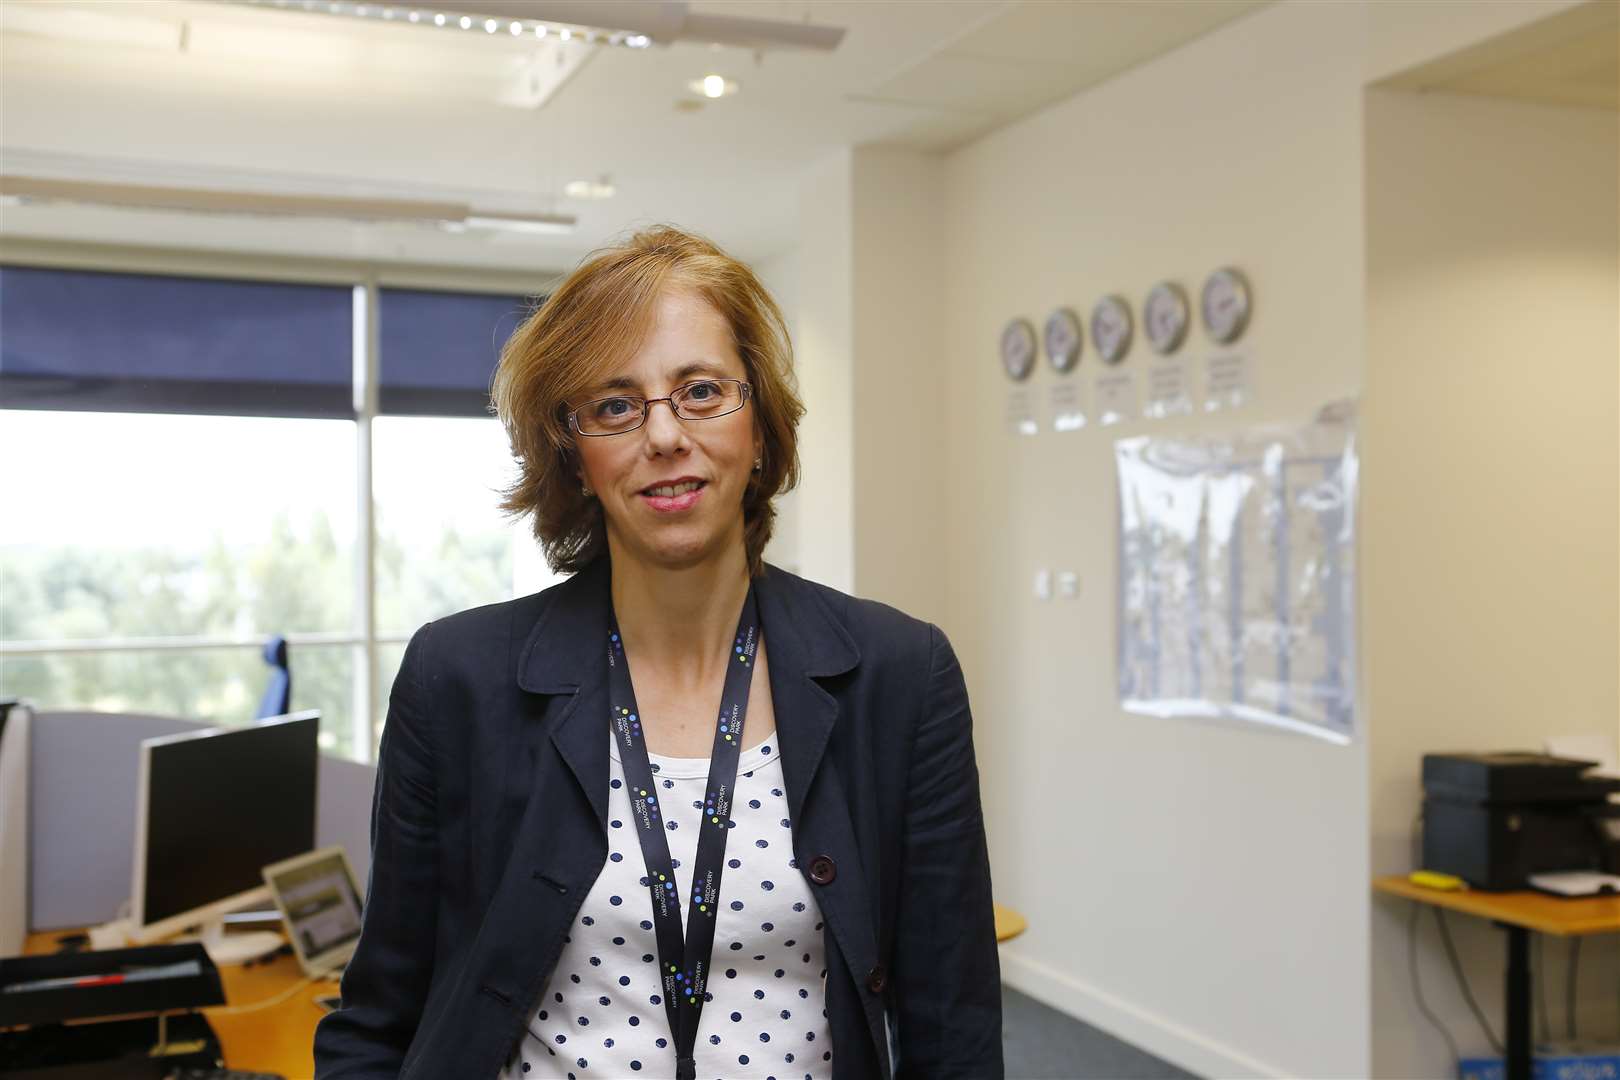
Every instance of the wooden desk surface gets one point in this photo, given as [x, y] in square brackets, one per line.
[1009, 924]
[1532, 910]
[279, 1039]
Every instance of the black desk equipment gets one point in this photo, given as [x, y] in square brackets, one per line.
[1495, 819]
[93, 1015]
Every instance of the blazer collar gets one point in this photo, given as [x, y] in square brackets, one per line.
[565, 653]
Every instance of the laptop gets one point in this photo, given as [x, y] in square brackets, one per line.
[316, 895]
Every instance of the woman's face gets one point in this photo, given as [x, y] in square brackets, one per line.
[689, 341]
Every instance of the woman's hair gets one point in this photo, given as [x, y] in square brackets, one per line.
[597, 318]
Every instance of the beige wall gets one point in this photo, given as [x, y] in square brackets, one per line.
[824, 314]
[1491, 510]
[1198, 889]
[869, 279]
[780, 275]
[900, 423]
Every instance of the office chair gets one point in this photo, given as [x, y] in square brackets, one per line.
[278, 695]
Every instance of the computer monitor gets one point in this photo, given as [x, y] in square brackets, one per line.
[213, 808]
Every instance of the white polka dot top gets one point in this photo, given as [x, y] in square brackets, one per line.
[764, 1014]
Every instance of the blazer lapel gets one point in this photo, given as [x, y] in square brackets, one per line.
[803, 643]
[566, 653]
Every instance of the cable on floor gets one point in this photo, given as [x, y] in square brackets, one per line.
[1570, 983]
[1417, 984]
[1539, 977]
[1462, 981]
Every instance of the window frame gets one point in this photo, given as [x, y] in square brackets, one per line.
[366, 279]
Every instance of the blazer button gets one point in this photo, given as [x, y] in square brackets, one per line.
[823, 870]
[877, 979]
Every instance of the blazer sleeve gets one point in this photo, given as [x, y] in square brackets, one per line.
[946, 970]
[386, 983]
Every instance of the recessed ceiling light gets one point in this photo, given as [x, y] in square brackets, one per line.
[713, 86]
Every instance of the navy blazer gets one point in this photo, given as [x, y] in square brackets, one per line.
[489, 827]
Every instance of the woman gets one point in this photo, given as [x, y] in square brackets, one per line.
[621, 829]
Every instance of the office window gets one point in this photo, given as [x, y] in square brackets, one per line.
[124, 527]
[441, 544]
[181, 466]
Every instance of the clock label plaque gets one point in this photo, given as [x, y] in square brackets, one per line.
[1169, 390]
[1115, 400]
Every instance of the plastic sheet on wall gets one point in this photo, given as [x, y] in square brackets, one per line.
[1237, 575]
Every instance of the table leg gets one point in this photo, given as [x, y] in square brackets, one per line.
[1518, 1002]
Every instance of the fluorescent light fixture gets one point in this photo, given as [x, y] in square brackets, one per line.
[106, 26]
[528, 224]
[633, 24]
[444, 213]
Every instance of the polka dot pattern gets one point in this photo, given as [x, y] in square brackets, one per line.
[603, 1017]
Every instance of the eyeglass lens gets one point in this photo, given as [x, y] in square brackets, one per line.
[694, 401]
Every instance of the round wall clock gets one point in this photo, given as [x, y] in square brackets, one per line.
[1063, 339]
[1225, 304]
[1111, 328]
[1165, 316]
[1018, 348]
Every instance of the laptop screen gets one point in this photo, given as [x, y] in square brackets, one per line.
[323, 912]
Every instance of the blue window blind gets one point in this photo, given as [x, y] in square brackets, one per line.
[104, 342]
[438, 349]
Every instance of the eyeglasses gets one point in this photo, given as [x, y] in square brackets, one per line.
[704, 400]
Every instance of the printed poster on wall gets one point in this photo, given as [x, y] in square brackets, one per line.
[1237, 575]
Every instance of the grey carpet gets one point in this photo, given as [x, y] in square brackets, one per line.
[1040, 1043]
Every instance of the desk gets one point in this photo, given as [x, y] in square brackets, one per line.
[1009, 924]
[279, 1039]
[1518, 913]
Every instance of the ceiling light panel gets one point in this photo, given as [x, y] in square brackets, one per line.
[106, 25]
[492, 20]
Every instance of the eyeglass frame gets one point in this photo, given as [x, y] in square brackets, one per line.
[747, 393]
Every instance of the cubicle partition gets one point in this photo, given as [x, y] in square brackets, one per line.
[15, 722]
[81, 786]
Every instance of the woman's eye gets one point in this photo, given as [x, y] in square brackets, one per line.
[613, 406]
[699, 391]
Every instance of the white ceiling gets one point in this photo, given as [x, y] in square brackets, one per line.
[1572, 58]
[268, 100]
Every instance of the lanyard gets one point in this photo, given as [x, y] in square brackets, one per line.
[684, 967]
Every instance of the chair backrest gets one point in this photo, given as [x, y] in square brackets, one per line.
[277, 700]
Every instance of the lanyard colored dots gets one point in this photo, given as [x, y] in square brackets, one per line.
[684, 964]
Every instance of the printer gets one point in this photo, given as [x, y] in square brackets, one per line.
[1495, 819]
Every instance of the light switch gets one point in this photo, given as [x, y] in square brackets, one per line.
[1068, 584]
[1043, 584]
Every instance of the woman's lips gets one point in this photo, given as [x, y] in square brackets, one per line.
[669, 504]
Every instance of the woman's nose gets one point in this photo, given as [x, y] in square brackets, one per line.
[665, 430]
